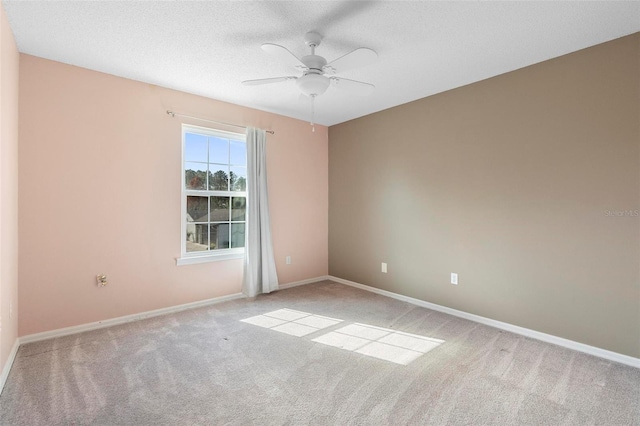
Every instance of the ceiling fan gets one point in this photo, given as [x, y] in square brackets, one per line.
[317, 73]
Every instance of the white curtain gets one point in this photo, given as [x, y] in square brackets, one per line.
[259, 263]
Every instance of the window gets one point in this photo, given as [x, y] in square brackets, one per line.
[214, 197]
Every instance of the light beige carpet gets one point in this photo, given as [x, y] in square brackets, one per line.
[297, 360]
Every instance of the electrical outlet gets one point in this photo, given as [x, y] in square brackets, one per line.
[454, 278]
[384, 267]
[288, 260]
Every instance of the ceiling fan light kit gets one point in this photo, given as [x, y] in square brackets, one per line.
[313, 84]
[315, 78]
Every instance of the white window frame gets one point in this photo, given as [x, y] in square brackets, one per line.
[188, 258]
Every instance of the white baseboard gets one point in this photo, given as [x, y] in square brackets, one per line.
[148, 314]
[9, 364]
[121, 320]
[570, 344]
[303, 282]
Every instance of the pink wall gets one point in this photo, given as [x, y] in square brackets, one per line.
[100, 193]
[9, 61]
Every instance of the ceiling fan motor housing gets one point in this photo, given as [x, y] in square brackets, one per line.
[314, 63]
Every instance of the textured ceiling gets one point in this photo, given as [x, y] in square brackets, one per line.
[208, 48]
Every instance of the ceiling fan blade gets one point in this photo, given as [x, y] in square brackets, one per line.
[352, 86]
[268, 80]
[354, 59]
[283, 54]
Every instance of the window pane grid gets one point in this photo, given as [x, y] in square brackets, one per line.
[224, 232]
[215, 168]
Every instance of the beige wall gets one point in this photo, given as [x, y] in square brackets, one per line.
[9, 61]
[100, 167]
[507, 183]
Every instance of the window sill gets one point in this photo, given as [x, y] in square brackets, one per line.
[192, 260]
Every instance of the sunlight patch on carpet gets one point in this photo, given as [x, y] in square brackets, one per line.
[382, 343]
[294, 323]
[377, 342]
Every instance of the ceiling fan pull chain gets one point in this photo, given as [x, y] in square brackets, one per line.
[313, 113]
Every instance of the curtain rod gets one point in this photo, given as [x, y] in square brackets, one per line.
[173, 114]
